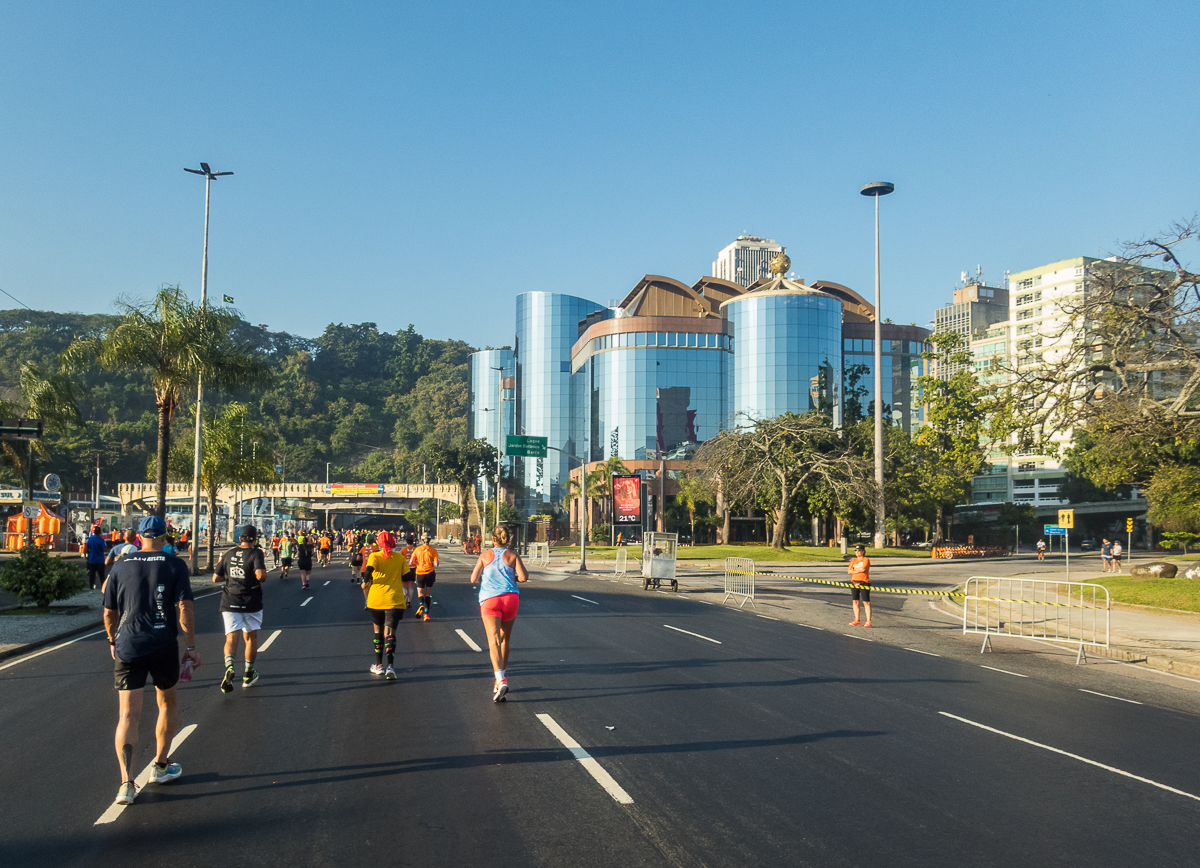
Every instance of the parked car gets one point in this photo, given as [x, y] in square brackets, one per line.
[1088, 545]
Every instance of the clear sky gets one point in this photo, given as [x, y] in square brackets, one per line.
[422, 162]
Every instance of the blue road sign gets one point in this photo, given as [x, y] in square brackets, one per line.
[1055, 530]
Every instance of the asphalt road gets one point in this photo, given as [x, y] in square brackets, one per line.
[706, 736]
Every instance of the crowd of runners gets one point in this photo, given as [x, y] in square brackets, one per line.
[148, 603]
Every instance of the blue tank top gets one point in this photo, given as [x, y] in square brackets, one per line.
[497, 578]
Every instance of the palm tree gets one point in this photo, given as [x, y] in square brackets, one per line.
[50, 398]
[232, 442]
[176, 342]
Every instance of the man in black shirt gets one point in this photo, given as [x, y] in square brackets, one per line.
[242, 570]
[147, 601]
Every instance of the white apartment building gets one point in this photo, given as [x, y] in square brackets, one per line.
[746, 259]
[1029, 337]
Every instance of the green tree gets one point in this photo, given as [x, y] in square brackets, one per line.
[949, 448]
[694, 490]
[235, 453]
[51, 398]
[36, 577]
[463, 465]
[176, 342]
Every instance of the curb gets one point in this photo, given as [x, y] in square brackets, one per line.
[21, 650]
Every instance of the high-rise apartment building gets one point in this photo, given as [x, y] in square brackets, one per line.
[746, 260]
[975, 309]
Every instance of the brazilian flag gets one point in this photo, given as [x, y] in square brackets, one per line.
[228, 299]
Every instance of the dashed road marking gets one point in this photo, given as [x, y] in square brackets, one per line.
[48, 650]
[1005, 671]
[1071, 755]
[327, 581]
[470, 642]
[585, 599]
[690, 633]
[265, 645]
[306, 602]
[919, 651]
[585, 759]
[1110, 696]
[856, 636]
[115, 810]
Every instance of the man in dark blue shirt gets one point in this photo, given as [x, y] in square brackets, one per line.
[96, 549]
[147, 602]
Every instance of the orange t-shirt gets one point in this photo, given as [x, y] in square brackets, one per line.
[860, 570]
[426, 560]
[407, 553]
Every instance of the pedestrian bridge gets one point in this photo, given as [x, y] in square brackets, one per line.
[335, 497]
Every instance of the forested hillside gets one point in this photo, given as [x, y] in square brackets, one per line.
[369, 402]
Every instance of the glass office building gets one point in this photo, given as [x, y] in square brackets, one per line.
[547, 328]
[787, 346]
[641, 394]
[901, 365]
[484, 394]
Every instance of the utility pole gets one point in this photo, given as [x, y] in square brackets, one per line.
[499, 437]
[875, 190]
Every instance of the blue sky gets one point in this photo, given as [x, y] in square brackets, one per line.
[424, 163]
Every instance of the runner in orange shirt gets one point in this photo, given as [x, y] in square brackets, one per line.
[859, 569]
[410, 577]
[426, 560]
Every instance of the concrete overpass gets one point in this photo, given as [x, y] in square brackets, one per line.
[338, 497]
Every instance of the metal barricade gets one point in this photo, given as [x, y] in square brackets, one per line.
[1074, 613]
[622, 568]
[739, 580]
[541, 554]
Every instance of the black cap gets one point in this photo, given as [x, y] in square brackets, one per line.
[860, 548]
[249, 531]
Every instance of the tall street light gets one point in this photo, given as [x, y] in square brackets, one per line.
[194, 554]
[876, 189]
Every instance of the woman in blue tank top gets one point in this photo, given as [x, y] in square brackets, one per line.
[498, 572]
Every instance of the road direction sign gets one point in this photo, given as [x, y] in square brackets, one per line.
[525, 446]
[20, 429]
[1054, 530]
[1066, 518]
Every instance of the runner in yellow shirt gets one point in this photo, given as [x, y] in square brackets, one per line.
[382, 584]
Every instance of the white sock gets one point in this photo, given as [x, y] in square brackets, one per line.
[503, 673]
[499, 674]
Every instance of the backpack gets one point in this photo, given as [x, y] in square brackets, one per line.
[356, 558]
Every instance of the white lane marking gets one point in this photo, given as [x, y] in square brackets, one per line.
[919, 651]
[470, 642]
[306, 602]
[48, 650]
[594, 768]
[768, 617]
[1071, 755]
[327, 581]
[856, 636]
[585, 599]
[705, 602]
[1110, 696]
[265, 645]
[114, 810]
[1005, 671]
[811, 627]
[1132, 666]
[690, 633]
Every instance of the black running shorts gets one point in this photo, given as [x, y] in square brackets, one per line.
[286, 562]
[95, 575]
[426, 580]
[862, 591]
[386, 617]
[162, 666]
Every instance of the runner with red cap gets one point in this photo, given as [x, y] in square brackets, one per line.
[382, 582]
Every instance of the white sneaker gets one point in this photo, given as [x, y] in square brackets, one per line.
[390, 673]
[170, 773]
[126, 794]
[501, 689]
[376, 668]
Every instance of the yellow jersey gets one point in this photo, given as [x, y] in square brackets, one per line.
[386, 591]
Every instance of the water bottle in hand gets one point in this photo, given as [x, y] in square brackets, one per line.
[186, 673]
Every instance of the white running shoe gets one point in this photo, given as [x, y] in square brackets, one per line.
[501, 689]
[170, 773]
[376, 668]
[126, 794]
[390, 673]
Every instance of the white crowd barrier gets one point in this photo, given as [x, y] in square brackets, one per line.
[739, 580]
[622, 568]
[1074, 613]
[541, 554]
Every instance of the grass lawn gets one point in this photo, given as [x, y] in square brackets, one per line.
[761, 554]
[1183, 594]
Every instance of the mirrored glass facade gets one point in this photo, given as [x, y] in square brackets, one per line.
[484, 385]
[547, 328]
[787, 355]
[645, 393]
[901, 365]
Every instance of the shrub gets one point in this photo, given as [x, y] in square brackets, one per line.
[37, 578]
[600, 535]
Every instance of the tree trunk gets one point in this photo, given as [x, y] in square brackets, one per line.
[779, 541]
[164, 448]
[211, 496]
[725, 529]
[937, 527]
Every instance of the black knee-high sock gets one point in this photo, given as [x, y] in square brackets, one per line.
[428, 601]
[390, 644]
[378, 649]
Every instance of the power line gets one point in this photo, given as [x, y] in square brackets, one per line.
[17, 300]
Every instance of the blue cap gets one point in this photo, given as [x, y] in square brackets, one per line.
[152, 525]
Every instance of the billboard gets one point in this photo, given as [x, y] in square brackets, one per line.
[627, 500]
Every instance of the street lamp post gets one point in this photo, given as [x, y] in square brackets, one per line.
[499, 438]
[194, 554]
[876, 189]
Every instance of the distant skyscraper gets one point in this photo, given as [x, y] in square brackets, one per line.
[975, 309]
[746, 259]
